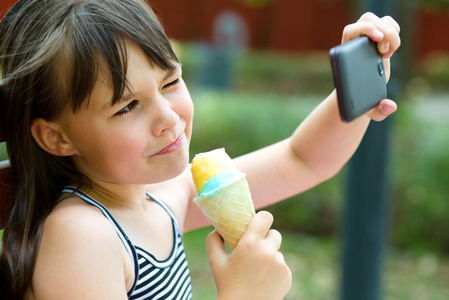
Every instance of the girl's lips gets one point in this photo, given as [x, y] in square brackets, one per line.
[172, 147]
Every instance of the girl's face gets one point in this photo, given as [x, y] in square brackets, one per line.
[142, 139]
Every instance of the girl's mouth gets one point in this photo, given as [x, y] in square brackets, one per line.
[173, 146]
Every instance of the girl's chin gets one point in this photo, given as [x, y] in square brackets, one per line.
[174, 172]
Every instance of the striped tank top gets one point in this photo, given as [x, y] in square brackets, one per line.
[154, 279]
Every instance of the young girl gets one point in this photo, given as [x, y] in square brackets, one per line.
[98, 122]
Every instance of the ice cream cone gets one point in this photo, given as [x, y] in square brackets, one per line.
[229, 209]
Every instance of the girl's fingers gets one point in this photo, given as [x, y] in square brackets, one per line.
[393, 23]
[259, 232]
[369, 24]
[385, 108]
[258, 227]
[384, 31]
[355, 30]
[215, 248]
[275, 238]
[394, 41]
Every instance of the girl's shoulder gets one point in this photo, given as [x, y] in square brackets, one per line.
[79, 224]
[80, 245]
[75, 214]
[80, 227]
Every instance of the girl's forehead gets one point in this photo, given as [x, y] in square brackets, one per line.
[139, 67]
[109, 65]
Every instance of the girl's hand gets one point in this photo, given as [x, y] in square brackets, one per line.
[255, 269]
[384, 31]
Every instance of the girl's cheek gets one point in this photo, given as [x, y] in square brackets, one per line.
[185, 106]
[189, 106]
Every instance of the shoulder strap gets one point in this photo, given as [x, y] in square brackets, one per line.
[170, 213]
[122, 235]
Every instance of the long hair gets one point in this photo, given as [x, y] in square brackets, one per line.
[51, 53]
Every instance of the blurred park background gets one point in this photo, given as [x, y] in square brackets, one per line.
[257, 68]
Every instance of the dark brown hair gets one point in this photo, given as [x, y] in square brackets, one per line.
[51, 53]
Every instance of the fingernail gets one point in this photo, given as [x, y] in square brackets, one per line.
[386, 47]
[387, 110]
[388, 55]
[378, 34]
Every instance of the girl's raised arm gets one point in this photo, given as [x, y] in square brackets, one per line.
[322, 143]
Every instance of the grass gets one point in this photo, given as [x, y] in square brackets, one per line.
[315, 267]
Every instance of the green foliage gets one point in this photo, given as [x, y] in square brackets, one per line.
[3, 153]
[421, 169]
[285, 73]
[268, 72]
[245, 121]
[265, 107]
[316, 270]
[435, 69]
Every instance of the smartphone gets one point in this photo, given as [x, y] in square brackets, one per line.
[359, 77]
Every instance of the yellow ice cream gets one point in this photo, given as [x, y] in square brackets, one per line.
[206, 166]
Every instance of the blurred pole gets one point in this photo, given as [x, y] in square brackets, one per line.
[367, 204]
[218, 58]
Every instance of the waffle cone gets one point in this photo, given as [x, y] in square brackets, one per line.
[229, 209]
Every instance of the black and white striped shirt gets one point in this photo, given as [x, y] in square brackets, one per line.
[154, 279]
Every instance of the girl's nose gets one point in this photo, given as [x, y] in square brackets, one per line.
[164, 115]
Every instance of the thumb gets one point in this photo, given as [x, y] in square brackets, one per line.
[385, 108]
[216, 249]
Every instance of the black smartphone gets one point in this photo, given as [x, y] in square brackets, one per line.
[359, 77]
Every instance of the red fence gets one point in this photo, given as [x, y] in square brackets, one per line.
[291, 25]
[432, 32]
[5, 5]
[283, 24]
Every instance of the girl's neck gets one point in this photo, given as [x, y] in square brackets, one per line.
[115, 196]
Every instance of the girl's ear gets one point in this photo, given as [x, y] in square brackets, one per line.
[48, 135]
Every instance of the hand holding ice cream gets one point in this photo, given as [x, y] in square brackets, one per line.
[255, 269]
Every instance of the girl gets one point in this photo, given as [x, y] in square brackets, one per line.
[98, 122]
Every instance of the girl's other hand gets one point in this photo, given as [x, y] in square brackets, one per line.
[384, 31]
[385, 108]
[255, 269]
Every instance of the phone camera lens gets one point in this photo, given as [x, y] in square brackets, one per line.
[380, 66]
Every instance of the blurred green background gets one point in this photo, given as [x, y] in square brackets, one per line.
[271, 93]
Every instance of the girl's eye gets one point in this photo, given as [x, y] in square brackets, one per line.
[174, 82]
[127, 109]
